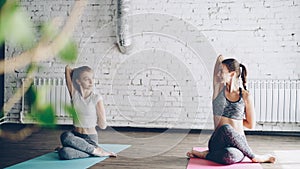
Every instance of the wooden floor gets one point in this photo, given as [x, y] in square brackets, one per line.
[150, 149]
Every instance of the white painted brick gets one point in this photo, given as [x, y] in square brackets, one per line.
[258, 33]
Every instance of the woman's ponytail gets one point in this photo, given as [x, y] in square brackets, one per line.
[244, 75]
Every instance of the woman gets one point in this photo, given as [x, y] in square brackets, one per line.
[82, 141]
[233, 110]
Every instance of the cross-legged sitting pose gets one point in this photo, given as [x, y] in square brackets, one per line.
[233, 110]
[82, 141]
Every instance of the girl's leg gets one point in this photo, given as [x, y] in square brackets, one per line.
[78, 145]
[93, 140]
[228, 155]
[226, 146]
[216, 142]
[68, 139]
[68, 153]
[90, 138]
[225, 136]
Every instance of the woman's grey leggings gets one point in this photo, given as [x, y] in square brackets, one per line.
[76, 145]
[226, 146]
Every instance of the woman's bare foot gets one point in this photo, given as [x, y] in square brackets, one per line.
[100, 152]
[268, 158]
[58, 148]
[199, 154]
[190, 154]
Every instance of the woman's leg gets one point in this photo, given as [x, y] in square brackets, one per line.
[228, 155]
[92, 139]
[78, 145]
[226, 146]
[225, 136]
[69, 139]
[68, 153]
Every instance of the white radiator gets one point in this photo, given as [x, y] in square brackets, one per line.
[56, 94]
[276, 100]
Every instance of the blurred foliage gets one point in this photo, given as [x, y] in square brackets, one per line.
[17, 29]
[15, 26]
[71, 111]
[43, 112]
[2, 3]
[48, 31]
[69, 52]
[40, 111]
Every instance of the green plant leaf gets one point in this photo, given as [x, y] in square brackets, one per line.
[45, 116]
[31, 68]
[31, 95]
[48, 31]
[7, 10]
[2, 2]
[69, 52]
[15, 26]
[48, 115]
[41, 101]
[71, 111]
[40, 111]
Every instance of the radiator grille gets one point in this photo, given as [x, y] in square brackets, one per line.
[56, 93]
[276, 100]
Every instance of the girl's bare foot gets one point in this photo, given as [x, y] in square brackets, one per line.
[199, 154]
[100, 152]
[268, 158]
[190, 154]
[58, 148]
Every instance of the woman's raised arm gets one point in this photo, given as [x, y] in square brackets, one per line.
[217, 79]
[68, 72]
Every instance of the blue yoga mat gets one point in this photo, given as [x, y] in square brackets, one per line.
[51, 160]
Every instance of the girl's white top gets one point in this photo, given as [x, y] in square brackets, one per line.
[86, 109]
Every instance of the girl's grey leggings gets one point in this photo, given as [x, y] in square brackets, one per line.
[226, 146]
[77, 145]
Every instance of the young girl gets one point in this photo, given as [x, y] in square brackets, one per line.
[233, 110]
[82, 141]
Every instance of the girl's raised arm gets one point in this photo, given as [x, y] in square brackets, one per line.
[68, 72]
[217, 79]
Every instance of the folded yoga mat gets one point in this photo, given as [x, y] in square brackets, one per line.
[195, 163]
[51, 160]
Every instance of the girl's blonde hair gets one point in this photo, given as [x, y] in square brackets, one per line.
[76, 73]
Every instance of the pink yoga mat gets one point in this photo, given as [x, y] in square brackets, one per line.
[195, 163]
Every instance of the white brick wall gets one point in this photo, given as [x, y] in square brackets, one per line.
[166, 80]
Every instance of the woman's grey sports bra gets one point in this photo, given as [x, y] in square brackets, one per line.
[224, 107]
